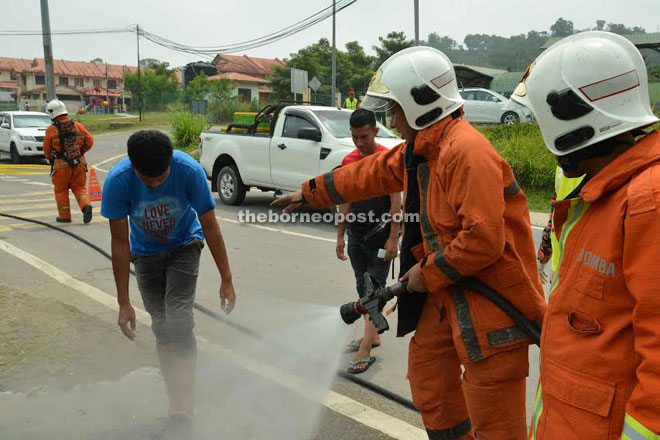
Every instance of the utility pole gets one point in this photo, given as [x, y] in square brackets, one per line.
[416, 22]
[107, 92]
[137, 33]
[334, 55]
[48, 51]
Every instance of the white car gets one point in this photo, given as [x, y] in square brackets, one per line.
[487, 107]
[302, 142]
[22, 134]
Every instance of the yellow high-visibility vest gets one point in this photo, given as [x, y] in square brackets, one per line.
[564, 186]
[352, 105]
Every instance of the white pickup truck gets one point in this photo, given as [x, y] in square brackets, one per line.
[301, 142]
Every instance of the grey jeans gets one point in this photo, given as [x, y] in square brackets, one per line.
[363, 260]
[167, 283]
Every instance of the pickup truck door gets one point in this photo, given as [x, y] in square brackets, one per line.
[293, 160]
[4, 133]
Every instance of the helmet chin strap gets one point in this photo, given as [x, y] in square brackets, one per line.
[571, 162]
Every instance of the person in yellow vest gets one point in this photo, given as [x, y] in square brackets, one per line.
[351, 102]
[564, 186]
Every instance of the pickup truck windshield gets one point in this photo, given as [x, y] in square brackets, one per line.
[25, 121]
[337, 123]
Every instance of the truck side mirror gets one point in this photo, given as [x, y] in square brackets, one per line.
[5, 125]
[310, 133]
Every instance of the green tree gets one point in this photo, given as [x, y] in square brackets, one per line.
[221, 89]
[96, 60]
[222, 101]
[197, 88]
[159, 86]
[562, 28]
[622, 29]
[392, 43]
[146, 62]
[354, 68]
[654, 74]
[445, 44]
[600, 25]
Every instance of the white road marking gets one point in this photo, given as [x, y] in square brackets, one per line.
[106, 161]
[282, 231]
[15, 201]
[339, 403]
[30, 194]
[28, 207]
[39, 183]
[66, 279]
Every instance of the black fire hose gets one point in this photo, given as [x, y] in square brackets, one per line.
[218, 317]
[530, 328]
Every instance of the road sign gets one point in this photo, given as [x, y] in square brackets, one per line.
[314, 84]
[298, 80]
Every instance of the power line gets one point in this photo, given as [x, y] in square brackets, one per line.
[293, 29]
[204, 51]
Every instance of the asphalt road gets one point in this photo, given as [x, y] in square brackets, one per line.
[286, 276]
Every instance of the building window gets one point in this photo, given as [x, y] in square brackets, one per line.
[38, 79]
[245, 95]
[35, 96]
[112, 83]
[68, 97]
[97, 83]
[79, 82]
[63, 81]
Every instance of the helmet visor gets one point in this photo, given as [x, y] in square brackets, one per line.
[377, 104]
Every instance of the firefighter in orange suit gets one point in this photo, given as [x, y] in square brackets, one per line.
[600, 350]
[473, 221]
[65, 145]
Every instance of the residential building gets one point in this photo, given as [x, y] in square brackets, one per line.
[249, 75]
[78, 84]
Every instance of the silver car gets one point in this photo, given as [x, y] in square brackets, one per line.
[486, 106]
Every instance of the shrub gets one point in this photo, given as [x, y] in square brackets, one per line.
[522, 146]
[186, 127]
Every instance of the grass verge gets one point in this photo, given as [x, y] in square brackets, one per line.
[98, 124]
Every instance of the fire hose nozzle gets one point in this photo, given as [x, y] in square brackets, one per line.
[372, 303]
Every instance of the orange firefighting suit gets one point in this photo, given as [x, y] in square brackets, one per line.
[65, 177]
[474, 222]
[600, 355]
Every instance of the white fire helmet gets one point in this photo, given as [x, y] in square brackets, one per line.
[56, 108]
[421, 80]
[585, 89]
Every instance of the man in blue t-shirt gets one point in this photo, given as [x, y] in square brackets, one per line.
[164, 197]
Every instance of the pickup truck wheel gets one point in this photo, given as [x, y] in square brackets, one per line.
[15, 155]
[230, 186]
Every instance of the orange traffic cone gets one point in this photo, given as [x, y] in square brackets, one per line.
[93, 187]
